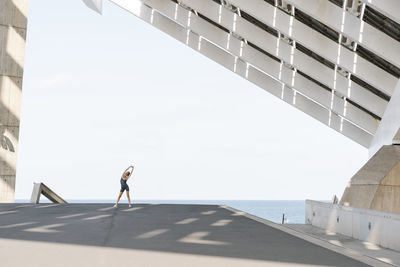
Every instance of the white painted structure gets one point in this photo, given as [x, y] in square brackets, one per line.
[322, 56]
[336, 60]
[389, 125]
[377, 227]
[96, 5]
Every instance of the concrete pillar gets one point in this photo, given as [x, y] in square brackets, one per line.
[13, 23]
[377, 184]
[389, 125]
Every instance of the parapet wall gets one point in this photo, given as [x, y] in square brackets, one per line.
[376, 227]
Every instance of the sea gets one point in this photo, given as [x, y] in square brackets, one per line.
[293, 211]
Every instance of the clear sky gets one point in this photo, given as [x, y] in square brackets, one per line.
[103, 92]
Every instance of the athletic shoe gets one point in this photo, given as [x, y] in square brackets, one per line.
[115, 206]
[130, 206]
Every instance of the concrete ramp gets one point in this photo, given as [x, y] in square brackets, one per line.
[153, 235]
[41, 189]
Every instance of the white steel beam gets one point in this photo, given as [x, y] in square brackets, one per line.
[289, 54]
[95, 5]
[247, 71]
[389, 126]
[389, 8]
[351, 26]
[283, 22]
[277, 70]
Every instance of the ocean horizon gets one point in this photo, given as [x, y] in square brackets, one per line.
[271, 210]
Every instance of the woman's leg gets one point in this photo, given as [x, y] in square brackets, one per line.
[129, 198]
[119, 197]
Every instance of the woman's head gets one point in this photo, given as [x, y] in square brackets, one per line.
[127, 174]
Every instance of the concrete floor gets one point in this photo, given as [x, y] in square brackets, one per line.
[149, 235]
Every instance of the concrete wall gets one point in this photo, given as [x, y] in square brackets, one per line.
[377, 184]
[379, 228]
[13, 23]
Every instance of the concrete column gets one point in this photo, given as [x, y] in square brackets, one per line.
[13, 23]
[389, 125]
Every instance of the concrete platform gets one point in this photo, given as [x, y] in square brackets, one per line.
[363, 248]
[152, 235]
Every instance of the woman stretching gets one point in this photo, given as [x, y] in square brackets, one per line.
[124, 186]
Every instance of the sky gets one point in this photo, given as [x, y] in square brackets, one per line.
[102, 92]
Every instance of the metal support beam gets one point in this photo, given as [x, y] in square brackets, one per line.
[294, 29]
[290, 54]
[351, 26]
[390, 8]
[278, 70]
[96, 5]
[246, 70]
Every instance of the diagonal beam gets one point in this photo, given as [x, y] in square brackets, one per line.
[319, 44]
[95, 5]
[390, 8]
[247, 71]
[288, 53]
[276, 69]
[389, 126]
[41, 189]
[284, 23]
[359, 31]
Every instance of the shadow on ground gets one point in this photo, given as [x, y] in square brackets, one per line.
[189, 229]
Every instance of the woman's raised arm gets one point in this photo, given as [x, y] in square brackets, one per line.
[127, 169]
[131, 167]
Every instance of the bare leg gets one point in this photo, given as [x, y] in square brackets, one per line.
[129, 198]
[119, 197]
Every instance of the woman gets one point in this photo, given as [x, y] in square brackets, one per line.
[124, 186]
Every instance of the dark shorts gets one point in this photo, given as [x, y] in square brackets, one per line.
[124, 186]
